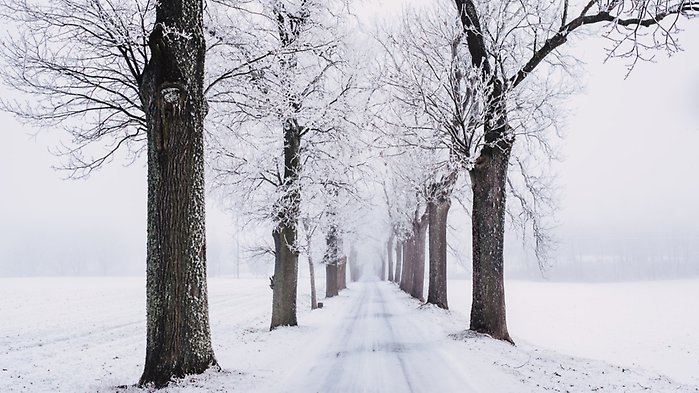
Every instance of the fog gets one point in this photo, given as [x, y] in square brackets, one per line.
[626, 186]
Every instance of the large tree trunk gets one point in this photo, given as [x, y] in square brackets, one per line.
[399, 262]
[178, 340]
[331, 285]
[418, 266]
[389, 249]
[438, 212]
[286, 257]
[488, 180]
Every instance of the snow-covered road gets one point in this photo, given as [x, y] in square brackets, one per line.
[87, 335]
[381, 343]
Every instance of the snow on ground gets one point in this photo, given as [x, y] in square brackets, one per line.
[87, 335]
[653, 325]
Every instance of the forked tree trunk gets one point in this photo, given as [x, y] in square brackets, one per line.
[389, 249]
[418, 267]
[286, 256]
[437, 289]
[178, 340]
[399, 262]
[488, 180]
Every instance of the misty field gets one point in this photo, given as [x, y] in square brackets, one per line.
[88, 335]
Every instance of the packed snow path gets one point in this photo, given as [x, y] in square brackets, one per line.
[381, 343]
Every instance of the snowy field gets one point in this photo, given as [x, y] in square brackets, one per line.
[87, 335]
[653, 325]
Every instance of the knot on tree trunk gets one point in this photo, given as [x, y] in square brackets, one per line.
[174, 95]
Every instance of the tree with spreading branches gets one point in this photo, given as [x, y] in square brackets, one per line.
[130, 74]
[292, 100]
[510, 44]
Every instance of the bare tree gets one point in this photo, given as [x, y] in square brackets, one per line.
[434, 103]
[295, 82]
[427, 77]
[178, 334]
[507, 42]
[119, 73]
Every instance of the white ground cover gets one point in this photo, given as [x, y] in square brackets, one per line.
[87, 335]
[652, 325]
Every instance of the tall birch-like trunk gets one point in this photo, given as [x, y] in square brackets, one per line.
[311, 266]
[178, 339]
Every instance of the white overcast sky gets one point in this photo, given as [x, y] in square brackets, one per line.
[630, 168]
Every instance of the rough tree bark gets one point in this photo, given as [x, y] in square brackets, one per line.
[488, 226]
[438, 213]
[389, 249]
[178, 340]
[488, 179]
[437, 289]
[286, 256]
[285, 279]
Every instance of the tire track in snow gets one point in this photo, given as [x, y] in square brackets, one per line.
[381, 344]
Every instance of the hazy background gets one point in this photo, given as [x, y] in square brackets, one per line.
[628, 188]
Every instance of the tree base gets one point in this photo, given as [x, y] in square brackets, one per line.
[160, 377]
[502, 337]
